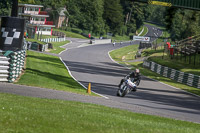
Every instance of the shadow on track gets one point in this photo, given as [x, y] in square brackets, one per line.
[111, 70]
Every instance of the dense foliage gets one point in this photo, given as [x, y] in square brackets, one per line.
[155, 14]
[117, 16]
[181, 23]
[5, 7]
[86, 15]
[113, 15]
[184, 23]
[103, 16]
[133, 16]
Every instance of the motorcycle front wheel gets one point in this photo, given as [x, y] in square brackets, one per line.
[122, 91]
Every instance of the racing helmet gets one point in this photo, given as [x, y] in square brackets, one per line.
[137, 71]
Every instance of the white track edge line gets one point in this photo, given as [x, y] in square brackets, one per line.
[141, 31]
[78, 81]
[147, 30]
[63, 46]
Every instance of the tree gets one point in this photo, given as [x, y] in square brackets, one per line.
[14, 11]
[155, 14]
[170, 13]
[113, 15]
[133, 15]
[5, 7]
[86, 15]
[185, 23]
[10, 7]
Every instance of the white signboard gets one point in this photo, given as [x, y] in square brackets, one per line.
[141, 38]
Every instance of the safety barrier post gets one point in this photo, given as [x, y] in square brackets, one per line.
[89, 88]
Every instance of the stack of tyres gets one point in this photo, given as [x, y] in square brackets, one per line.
[35, 46]
[17, 60]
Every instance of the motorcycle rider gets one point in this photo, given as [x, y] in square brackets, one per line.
[134, 76]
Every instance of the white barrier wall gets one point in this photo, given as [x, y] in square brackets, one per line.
[101, 41]
[53, 40]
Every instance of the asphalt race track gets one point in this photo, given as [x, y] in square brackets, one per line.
[92, 64]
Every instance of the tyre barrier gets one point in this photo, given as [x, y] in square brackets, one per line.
[178, 76]
[16, 66]
[37, 47]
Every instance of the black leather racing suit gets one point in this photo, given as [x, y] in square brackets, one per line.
[134, 78]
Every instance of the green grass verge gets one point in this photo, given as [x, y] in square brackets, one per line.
[140, 29]
[125, 53]
[44, 36]
[38, 41]
[48, 72]
[118, 38]
[145, 31]
[157, 57]
[35, 40]
[56, 47]
[71, 34]
[34, 115]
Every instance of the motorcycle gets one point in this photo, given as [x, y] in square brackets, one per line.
[127, 86]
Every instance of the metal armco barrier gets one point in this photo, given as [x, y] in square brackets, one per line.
[181, 77]
[12, 33]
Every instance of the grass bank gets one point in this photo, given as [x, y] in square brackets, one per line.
[145, 31]
[35, 115]
[43, 36]
[48, 71]
[156, 56]
[125, 53]
[57, 47]
[178, 64]
[71, 34]
[118, 38]
[38, 40]
[35, 40]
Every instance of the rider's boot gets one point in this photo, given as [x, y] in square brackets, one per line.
[134, 89]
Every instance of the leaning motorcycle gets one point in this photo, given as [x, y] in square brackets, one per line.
[127, 86]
